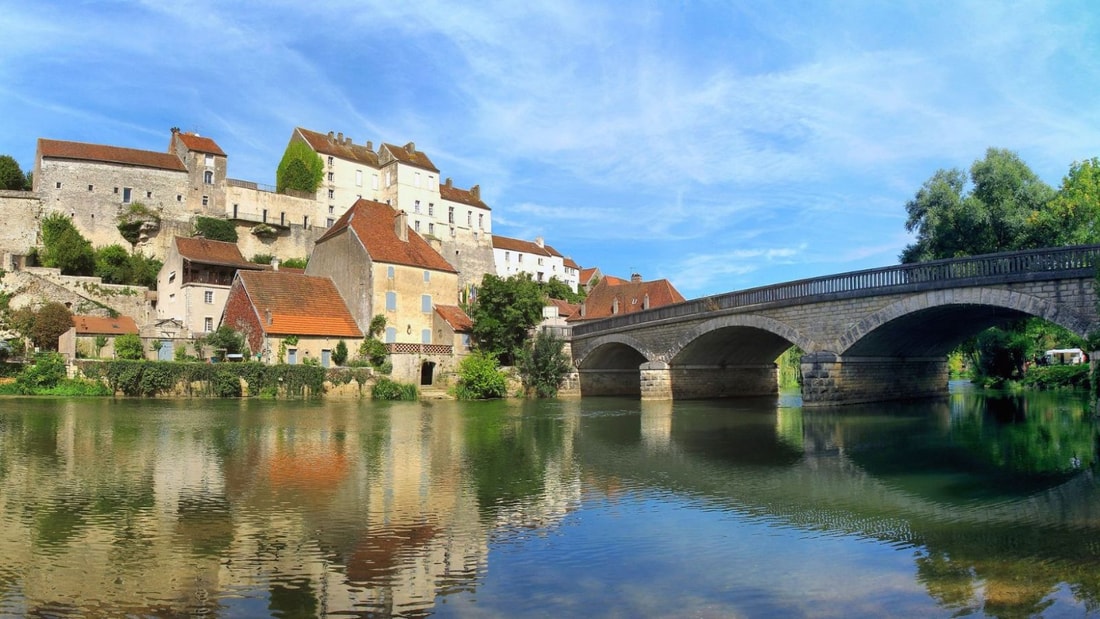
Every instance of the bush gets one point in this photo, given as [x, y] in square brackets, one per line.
[128, 346]
[227, 384]
[216, 229]
[386, 389]
[47, 371]
[543, 365]
[1057, 377]
[480, 378]
[340, 353]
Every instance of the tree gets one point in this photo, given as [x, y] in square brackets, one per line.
[225, 338]
[506, 309]
[557, 289]
[65, 248]
[216, 229]
[44, 325]
[128, 346]
[11, 176]
[999, 213]
[340, 353]
[543, 365]
[300, 169]
[1074, 214]
[112, 264]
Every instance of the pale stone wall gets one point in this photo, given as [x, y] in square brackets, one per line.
[344, 260]
[21, 212]
[408, 283]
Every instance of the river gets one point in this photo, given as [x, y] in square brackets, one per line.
[980, 504]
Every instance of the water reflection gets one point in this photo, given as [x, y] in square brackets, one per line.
[309, 509]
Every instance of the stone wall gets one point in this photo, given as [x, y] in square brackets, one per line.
[21, 213]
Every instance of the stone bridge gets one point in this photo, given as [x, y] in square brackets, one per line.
[873, 335]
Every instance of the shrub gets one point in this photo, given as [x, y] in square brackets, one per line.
[340, 353]
[543, 365]
[295, 263]
[386, 389]
[47, 371]
[128, 346]
[1057, 377]
[216, 229]
[480, 378]
[227, 384]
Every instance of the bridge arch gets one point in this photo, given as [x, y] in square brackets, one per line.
[737, 339]
[611, 366]
[931, 324]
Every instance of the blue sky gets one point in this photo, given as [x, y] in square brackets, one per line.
[723, 145]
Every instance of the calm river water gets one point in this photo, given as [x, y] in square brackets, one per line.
[978, 505]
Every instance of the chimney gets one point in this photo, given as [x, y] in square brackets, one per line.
[175, 129]
[635, 278]
[475, 191]
[410, 148]
[330, 136]
[348, 140]
[401, 226]
[450, 183]
[540, 242]
[370, 146]
[340, 138]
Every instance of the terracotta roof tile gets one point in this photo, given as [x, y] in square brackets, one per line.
[349, 151]
[569, 263]
[408, 154]
[455, 317]
[298, 304]
[97, 325]
[373, 223]
[448, 191]
[57, 149]
[600, 302]
[199, 144]
[503, 242]
[586, 275]
[565, 308]
[208, 251]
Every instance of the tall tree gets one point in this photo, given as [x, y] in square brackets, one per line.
[300, 169]
[65, 248]
[505, 311]
[998, 213]
[1074, 214]
[11, 176]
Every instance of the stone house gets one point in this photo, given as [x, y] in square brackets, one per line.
[612, 296]
[382, 267]
[193, 285]
[81, 338]
[289, 317]
[541, 261]
[454, 326]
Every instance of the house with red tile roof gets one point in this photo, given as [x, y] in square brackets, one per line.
[207, 165]
[613, 296]
[383, 267]
[301, 316]
[81, 338]
[454, 325]
[589, 277]
[193, 283]
[541, 261]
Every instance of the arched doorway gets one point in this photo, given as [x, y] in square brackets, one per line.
[427, 372]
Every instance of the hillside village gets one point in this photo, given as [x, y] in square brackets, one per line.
[385, 234]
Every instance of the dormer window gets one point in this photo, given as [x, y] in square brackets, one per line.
[209, 160]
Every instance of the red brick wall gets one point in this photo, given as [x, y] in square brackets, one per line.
[241, 315]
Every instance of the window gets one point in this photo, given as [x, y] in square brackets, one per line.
[465, 340]
[427, 276]
[425, 336]
[329, 222]
[58, 185]
[358, 178]
[171, 277]
[148, 194]
[330, 160]
[416, 179]
[179, 197]
[125, 194]
[540, 261]
[264, 214]
[426, 303]
[481, 221]
[469, 219]
[431, 228]
[235, 211]
[209, 160]
[416, 225]
[519, 258]
[507, 256]
[292, 356]
[374, 181]
[331, 209]
[91, 187]
[205, 200]
[208, 324]
[282, 218]
[391, 301]
[331, 176]
[450, 214]
[389, 272]
[305, 221]
[331, 194]
[431, 182]
[391, 335]
[431, 209]
[416, 206]
[208, 177]
[388, 179]
[116, 189]
[208, 296]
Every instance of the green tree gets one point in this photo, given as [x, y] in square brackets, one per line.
[295, 263]
[480, 378]
[300, 169]
[216, 229]
[11, 176]
[42, 326]
[63, 247]
[505, 310]
[128, 346]
[340, 353]
[543, 365]
[999, 213]
[225, 338]
[557, 289]
[112, 264]
[100, 343]
[1074, 214]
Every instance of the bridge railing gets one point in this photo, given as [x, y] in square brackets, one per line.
[1007, 266]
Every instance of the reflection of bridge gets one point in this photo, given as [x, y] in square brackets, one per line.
[871, 335]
